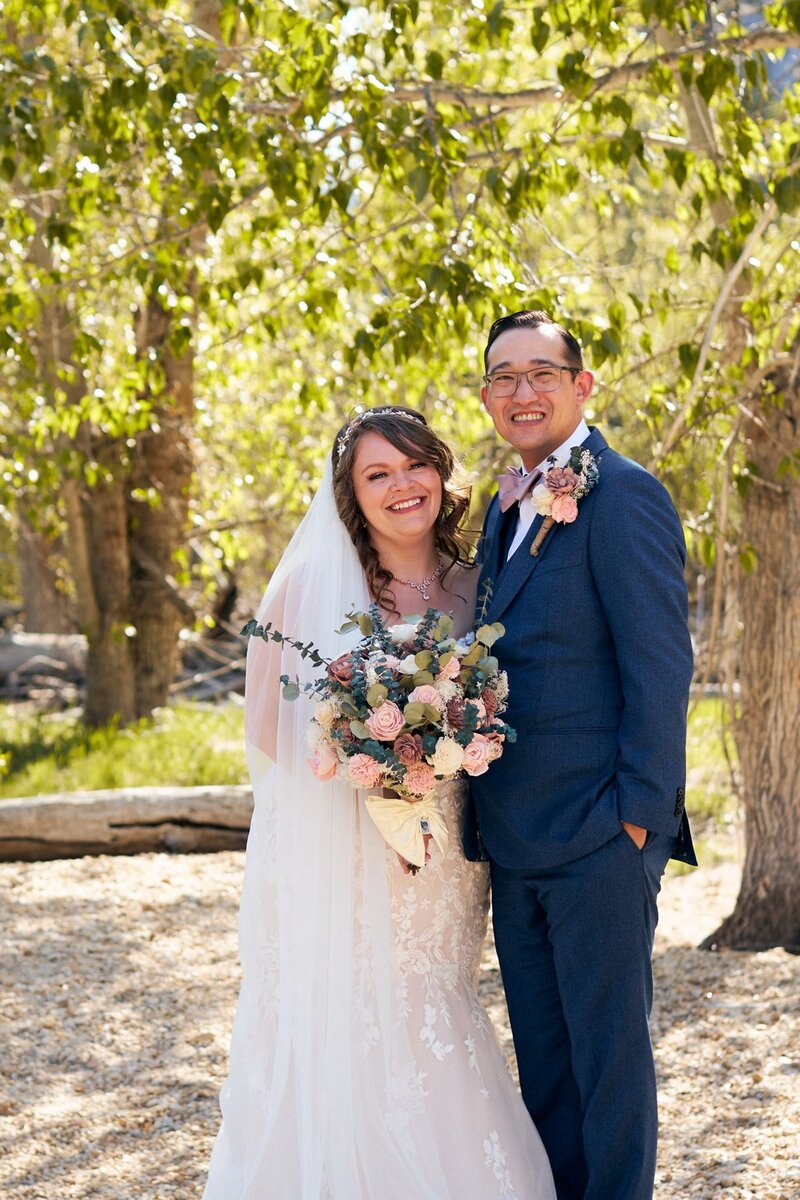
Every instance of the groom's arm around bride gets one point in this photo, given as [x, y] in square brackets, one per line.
[580, 816]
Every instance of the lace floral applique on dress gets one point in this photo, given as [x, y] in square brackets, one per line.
[440, 920]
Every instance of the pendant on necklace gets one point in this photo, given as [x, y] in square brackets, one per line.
[422, 587]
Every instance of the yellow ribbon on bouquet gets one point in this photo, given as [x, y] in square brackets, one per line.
[401, 823]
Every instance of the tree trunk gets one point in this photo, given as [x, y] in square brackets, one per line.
[43, 598]
[767, 725]
[96, 529]
[162, 466]
[110, 677]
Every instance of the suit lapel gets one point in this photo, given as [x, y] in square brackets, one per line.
[517, 570]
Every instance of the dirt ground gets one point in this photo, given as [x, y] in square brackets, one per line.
[119, 982]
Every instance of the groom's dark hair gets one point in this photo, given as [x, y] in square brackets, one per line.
[531, 318]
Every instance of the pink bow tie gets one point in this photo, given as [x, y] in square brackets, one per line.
[514, 486]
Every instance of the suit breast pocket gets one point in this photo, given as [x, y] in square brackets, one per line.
[573, 562]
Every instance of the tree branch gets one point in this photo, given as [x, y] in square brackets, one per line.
[721, 302]
[148, 564]
[616, 77]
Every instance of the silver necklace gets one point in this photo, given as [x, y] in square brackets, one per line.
[423, 586]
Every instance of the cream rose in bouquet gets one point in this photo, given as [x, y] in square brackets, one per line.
[407, 707]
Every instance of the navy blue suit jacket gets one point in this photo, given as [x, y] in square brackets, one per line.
[599, 663]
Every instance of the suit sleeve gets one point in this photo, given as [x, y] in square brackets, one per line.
[637, 556]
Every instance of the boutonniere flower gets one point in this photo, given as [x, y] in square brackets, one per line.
[557, 496]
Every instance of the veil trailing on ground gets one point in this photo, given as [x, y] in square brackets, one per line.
[323, 1098]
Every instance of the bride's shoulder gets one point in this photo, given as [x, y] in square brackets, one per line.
[462, 581]
[466, 573]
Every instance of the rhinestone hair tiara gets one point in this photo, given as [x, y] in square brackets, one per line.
[343, 439]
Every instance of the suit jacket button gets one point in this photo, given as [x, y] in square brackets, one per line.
[680, 799]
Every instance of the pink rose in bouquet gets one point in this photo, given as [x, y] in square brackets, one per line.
[324, 762]
[341, 669]
[408, 749]
[385, 722]
[476, 755]
[427, 694]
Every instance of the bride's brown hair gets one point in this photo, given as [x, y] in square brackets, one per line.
[410, 434]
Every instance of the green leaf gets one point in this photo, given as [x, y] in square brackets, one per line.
[616, 314]
[707, 549]
[487, 635]
[359, 730]
[443, 627]
[419, 181]
[672, 260]
[540, 30]
[414, 713]
[689, 356]
[474, 654]
[748, 558]
[376, 695]
[290, 691]
[678, 163]
[611, 342]
[787, 194]
[434, 64]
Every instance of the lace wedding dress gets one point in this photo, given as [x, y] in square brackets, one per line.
[485, 1136]
[362, 1064]
[429, 1110]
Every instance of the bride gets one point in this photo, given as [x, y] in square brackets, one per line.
[363, 1065]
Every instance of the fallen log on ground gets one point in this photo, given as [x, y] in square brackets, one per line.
[16, 649]
[124, 821]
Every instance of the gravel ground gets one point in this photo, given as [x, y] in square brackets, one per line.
[119, 981]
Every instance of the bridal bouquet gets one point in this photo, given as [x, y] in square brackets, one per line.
[408, 706]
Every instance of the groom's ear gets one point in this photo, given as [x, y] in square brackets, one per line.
[485, 398]
[584, 385]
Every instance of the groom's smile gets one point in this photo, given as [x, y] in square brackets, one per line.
[533, 421]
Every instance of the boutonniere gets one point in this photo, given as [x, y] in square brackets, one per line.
[557, 496]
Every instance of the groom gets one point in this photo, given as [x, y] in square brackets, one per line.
[580, 816]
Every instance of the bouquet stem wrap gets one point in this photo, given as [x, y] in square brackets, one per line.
[401, 823]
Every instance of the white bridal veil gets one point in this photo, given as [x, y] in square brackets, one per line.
[324, 1099]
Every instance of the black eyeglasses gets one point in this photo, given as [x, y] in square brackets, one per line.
[541, 379]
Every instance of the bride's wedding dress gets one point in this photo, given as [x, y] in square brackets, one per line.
[362, 1064]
